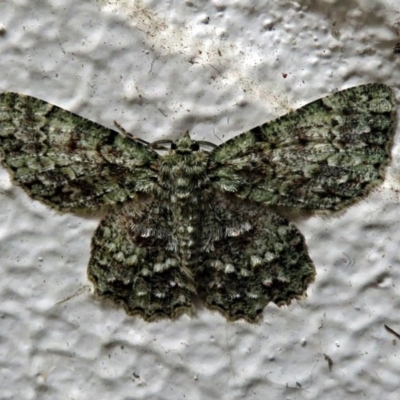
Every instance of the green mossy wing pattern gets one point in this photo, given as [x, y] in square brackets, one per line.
[323, 156]
[67, 161]
[245, 258]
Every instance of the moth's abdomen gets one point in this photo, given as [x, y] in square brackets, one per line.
[184, 179]
[186, 225]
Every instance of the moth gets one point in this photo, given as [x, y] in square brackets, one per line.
[187, 218]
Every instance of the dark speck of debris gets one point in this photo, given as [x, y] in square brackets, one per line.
[392, 331]
[329, 360]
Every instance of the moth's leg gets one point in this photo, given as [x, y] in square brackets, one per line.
[254, 257]
[132, 265]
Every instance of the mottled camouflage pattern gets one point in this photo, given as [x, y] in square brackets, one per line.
[196, 222]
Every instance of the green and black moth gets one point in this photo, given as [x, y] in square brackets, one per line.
[199, 219]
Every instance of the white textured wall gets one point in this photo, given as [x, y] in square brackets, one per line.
[215, 68]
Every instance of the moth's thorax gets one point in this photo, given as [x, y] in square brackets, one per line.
[183, 171]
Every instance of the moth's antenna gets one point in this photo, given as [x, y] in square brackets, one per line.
[77, 293]
[205, 143]
[128, 134]
[156, 145]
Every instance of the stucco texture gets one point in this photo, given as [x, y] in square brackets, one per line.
[217, 69]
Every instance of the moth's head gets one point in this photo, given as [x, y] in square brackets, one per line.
[185, 145]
